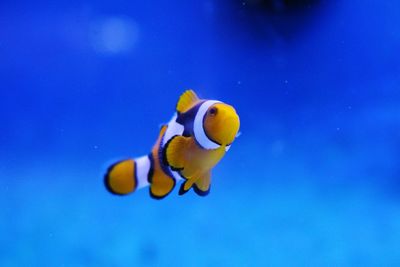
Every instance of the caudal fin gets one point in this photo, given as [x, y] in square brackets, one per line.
[124, 177]
[121, 178]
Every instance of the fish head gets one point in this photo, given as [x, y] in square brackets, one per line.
[221, 123]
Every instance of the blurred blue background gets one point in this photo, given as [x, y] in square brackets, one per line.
[312, 181]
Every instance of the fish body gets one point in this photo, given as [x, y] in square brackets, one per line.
[187, 148]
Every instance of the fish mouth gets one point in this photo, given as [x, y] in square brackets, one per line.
[232, 127]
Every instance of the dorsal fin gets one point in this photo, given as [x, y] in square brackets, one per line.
[187, 100]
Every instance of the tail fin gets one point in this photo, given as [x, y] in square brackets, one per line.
[120, 178]
[125, 176]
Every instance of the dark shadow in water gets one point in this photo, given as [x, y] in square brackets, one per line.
[282, 6]
[269, 19]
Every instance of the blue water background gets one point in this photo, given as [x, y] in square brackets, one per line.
[312, 181]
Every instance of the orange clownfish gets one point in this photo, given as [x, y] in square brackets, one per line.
[187, 148]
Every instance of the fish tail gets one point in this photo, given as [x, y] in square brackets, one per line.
[126, 176]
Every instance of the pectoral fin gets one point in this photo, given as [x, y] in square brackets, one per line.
[175, 152]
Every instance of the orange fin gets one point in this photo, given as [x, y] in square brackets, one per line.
[161, 184]
[174, 152]
[186, 101]
[200, 185]
[120, 178]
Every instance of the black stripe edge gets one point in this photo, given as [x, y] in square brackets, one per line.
[182, 191]
[200, 192]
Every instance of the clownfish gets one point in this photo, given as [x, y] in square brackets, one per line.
[187, 148]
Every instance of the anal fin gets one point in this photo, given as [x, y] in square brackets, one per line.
[161, 184]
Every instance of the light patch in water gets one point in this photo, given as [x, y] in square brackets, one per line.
[115, 35]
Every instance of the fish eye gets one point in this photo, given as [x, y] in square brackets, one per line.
[213, 111]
